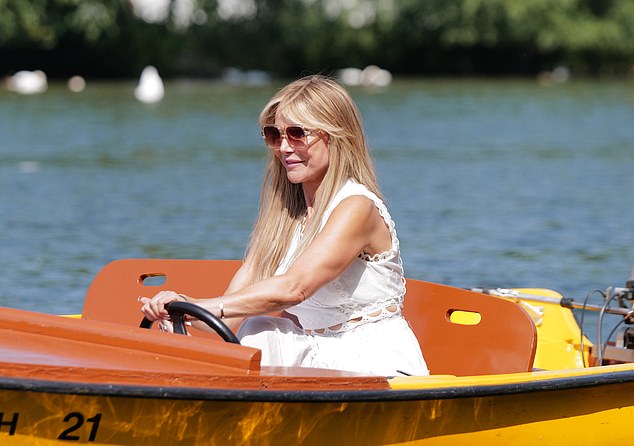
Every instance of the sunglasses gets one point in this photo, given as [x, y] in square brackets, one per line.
[295, 136]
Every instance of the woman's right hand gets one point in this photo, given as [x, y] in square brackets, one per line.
[154, 308]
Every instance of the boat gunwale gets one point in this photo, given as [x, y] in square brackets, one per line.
[306, 396]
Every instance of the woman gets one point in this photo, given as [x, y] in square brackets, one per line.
[324, 249]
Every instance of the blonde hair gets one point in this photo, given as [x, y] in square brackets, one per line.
[315, 102]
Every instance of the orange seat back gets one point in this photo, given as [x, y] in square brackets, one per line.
[488, 335]
[113, 294]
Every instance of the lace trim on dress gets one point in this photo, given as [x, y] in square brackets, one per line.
[383, 313]
[377, 257]
[390, 253]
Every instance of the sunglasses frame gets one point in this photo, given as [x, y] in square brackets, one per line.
[292, 142]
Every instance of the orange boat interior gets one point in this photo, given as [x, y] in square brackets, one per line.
[106, 346]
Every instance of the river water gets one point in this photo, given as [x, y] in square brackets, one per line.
[491, 183]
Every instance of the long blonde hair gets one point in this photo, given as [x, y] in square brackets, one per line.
[315, 102]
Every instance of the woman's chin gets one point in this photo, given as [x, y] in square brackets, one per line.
[294, 178]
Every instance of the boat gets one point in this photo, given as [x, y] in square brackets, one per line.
[508, 366]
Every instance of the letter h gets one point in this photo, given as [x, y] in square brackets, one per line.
[13, 423]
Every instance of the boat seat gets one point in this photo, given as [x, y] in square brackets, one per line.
[466, 333]
[460, 332]
[113, 294]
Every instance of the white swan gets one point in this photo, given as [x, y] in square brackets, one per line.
[350, 76]
[28, 82]
[76, 84]
[373, 76]
[370, 76]
[150, 88]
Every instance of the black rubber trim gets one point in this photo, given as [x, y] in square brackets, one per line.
[189, 393]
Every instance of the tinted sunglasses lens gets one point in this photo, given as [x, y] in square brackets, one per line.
[296, 136]
[272, 136]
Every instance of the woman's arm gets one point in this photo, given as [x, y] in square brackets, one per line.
[241, 276]
[240, 280]
[355, 225]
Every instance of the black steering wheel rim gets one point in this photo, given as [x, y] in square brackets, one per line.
[177, 311]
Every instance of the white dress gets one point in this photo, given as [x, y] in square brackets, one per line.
[353, 323]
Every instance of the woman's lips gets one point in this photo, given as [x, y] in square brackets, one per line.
[292, 163]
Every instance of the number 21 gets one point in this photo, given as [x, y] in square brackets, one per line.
[79, 420]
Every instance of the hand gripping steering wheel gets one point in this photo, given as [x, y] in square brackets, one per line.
[177, 311]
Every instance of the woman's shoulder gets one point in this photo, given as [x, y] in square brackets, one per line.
[353, 188]
[357, 204]
[356, 197]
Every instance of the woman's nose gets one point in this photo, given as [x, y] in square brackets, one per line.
[285, 146]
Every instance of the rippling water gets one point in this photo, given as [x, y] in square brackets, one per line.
[504, 183]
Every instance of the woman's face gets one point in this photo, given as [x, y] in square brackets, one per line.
[307, 165]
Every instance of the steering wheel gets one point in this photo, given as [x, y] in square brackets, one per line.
[177, 311]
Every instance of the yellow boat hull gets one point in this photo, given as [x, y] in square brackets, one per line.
[591, 406]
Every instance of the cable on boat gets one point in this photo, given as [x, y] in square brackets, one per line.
[581, 320]
[609, 297]
[621, 322]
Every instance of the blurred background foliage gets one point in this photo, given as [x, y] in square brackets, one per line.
[116, 38]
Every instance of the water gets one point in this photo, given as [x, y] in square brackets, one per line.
[491, 183]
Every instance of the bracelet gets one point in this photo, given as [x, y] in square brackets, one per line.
[222, 310]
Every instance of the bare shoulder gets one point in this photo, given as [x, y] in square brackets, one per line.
[357, 210]
[358, 204]
[358, 217]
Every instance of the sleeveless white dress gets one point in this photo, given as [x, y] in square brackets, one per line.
[353, 323]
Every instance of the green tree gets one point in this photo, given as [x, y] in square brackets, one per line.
[289, 37]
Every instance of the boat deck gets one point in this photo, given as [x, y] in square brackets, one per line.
[61, 349]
